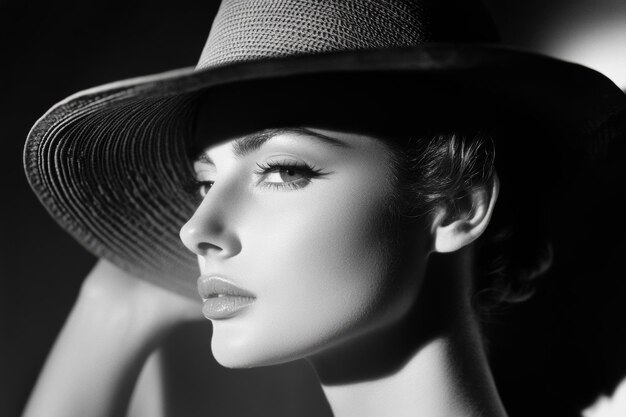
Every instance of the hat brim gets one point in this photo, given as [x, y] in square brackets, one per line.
[110, 163]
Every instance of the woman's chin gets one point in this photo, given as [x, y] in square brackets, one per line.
[231, 352]
[244, 357]
[240, 353]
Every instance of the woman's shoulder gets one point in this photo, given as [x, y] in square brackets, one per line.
[613, 406]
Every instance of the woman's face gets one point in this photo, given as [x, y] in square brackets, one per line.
[294, 244]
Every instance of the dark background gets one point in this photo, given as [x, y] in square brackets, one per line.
[551, 356]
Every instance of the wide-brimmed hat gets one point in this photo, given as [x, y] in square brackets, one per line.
[110, 163]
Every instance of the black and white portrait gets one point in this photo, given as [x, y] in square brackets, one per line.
[313, 208]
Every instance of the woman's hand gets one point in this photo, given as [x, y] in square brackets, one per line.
[117, 321]
[114, 292]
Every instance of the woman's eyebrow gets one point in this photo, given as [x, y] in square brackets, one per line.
[243, 146]
[204, 158]
[249, 143]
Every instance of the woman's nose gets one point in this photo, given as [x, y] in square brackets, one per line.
[208, 232]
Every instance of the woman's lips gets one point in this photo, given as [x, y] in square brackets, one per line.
[222, 299]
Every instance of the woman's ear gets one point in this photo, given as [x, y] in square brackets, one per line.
[455, 228]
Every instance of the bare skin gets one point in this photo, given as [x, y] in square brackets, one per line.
[116, 323]
[419, 375]
[423, 357]
[433, 362]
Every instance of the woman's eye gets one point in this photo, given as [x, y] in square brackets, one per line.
[204, 187]
[199, 188]
[286, 175]
[283, 175]
[278, 176]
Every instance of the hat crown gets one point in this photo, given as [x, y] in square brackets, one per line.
[249, 30]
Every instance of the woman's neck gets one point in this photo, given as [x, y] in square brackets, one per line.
[441, 379]
[431, 363]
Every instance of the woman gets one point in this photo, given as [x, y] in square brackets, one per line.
[346, 198]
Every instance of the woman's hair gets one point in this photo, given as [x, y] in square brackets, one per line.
[440, 168]
[435, 163]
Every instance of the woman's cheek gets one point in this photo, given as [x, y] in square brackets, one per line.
[319, 260]
[328, 260]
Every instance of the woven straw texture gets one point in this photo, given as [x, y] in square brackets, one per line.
[118, 213]
[110, 163]
[254, 29]
[246, 30]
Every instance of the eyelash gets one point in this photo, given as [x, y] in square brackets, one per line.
[201, 188]
[196, 188]
[308, 172]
